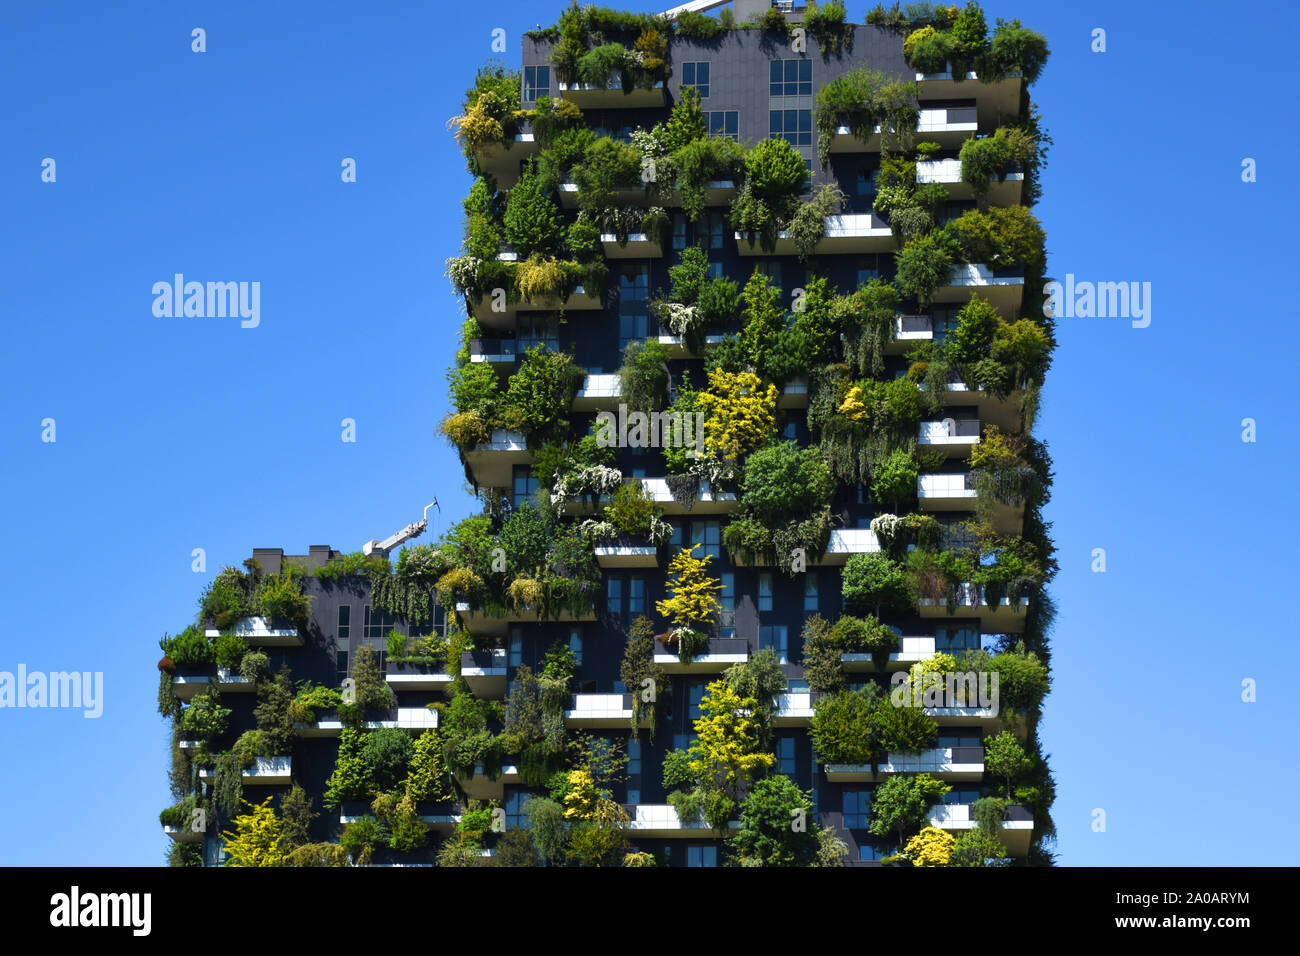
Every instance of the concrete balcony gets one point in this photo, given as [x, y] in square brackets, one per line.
[422, 677]
[993, 99]
[955, 436]
[793, 710]
[843, 543]
[947, 172]
[599, 393]
[499, 353]
[794, 395]
[492, 463]
[638, 246]
[417, 719]
[185, 686]
[495, 622]
[716, 193]
[1003, 289]
[482, 787]
[599, 710]
[1003, 412]
[954, 492]
[183, 834]
[911, 650]
[1015, 832]
[589, 96]
[627, 552]
[266, 771]
[502, 160]
[503, 313]
[946, 763]
[677, 347]
[485, 672]
[719, 654]
[908, 330]
[847, 234]
[707, 501]
[660, 820]
[258, 632]
[1004, 616]
[848, 541]
[948, 126]
[439, 816]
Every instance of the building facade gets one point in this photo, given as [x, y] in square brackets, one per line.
[595, 279]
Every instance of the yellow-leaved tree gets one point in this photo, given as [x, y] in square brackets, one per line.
[258, 839]
[931, 847]
[726, 751]
[739, 414]
[693, 592]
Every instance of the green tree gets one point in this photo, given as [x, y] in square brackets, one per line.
[776, 828]
[902, 804]
[1005, 758]
[894, 479]
[930, 847]
[693, 597]
[686, 122]
[875, 582]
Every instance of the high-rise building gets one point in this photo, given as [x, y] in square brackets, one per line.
[750, 361]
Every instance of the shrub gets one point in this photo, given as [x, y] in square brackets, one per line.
[607, 166]
[894, 479]
[254, 666]
[205, 717]
[643, 376]
[541, 392]
[1000, 237]
[930, 51]
[631, 510]
[924, 265]
[808, 225]
[991, 157]
[766, 836]
[775, 172]
[532, 221]
[583, 241]
[828, 26]
[782, 481]
[466, 430]
[931, 847]
[822, 666]
[189, 649]
[698, 26]
[700, 161]
[1014, 49]
[841, 727]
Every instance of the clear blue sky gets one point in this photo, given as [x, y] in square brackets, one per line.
[177, 434]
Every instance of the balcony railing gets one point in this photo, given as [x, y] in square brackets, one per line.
[718, 654]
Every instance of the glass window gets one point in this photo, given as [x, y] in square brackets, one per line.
[770, 268]
[701, 856]
[960, 795]
[516, 648]
[345, 622]
[632, 328]
[785, 755]
[709, 535]
[676, 538]
[857, 809]
[717, 230]
[515, 816]
[544, 332]
[868, 853]
[956, 639]
[723, 123]
[634, 756]
[810, 592]
[866, 182]
[683, 741]
[694, 695]
[614, 595]
[696, 75]
[958, 738]
[727, 600]
[790, 78]
[537, 82]
[341, 665]
[636, 596]
[575, 645]
[524, 485]
[775, 637]
[377, 624]
[679, 232]
[793, 126]
[790, 431]
[765, 591]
